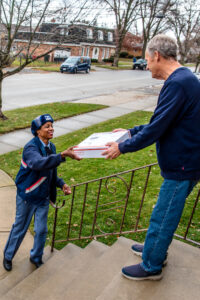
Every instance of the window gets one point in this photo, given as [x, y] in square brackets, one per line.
[62, 31]
[110, 36]
[107, 53]
[88, 51]
[82, 51]
[89, 33]
[100, 35]
[103, 53]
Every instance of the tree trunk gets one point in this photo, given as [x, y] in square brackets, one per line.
[144, 47]
[116, 60]
[116, 57]
[2, 116]
[118, 49]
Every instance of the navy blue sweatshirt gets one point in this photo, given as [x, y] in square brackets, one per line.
[174, 126]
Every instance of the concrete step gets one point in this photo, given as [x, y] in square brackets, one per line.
[57, 284]
[30, 283]
[20, 271]
[181, 279]
[94, 273]
[89, 283]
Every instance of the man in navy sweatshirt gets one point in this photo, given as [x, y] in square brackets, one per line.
[175, 128]
[36, 184]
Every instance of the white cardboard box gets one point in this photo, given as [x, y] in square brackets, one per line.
[95, 144]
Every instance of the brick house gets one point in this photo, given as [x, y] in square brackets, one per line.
[133, 44]
[77, 39]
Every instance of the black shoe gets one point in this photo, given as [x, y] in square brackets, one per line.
[7, 264]
[36, 263]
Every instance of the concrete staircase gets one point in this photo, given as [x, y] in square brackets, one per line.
[91, 273]
[95, 273]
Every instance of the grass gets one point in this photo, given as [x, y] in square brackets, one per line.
[124, 64]
[41, 65]
[122, 67]
[22, 117]
[75, 172]
[50, 68]
[36, 63]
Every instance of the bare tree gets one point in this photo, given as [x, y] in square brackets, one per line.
[153, 14]
[16, 15]
[184, 21]
[70, 11]
[125, 15]
[21, 32]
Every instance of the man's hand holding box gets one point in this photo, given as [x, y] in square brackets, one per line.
[96, 145]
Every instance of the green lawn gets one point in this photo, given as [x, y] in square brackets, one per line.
[120, 67]
[124, 64]
[36, 64]
[75, 172]
[49, 68]
[22, 117]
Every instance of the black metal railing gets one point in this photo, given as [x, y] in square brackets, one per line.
[116, 205]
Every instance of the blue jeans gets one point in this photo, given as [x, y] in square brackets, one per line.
[164, 221]
[24, 214]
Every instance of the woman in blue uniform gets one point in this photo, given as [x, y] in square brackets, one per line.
[36, 183]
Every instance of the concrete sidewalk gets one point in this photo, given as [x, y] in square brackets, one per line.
[119, 104]
[7, 209]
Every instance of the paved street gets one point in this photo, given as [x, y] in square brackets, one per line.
[26, 89]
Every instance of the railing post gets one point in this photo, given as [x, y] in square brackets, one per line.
[142, 201]
[127, 198]
[83, 210]
[95, 213]
[54, 228]
[71, 210]
[191, 217]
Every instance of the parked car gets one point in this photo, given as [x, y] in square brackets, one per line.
[140, 64]
[75, 64]
[197, 74]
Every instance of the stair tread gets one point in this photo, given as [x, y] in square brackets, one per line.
[99, 274]
[27, 285]
[62, 279]
[180, 269]
[20, 271]
[95, 273]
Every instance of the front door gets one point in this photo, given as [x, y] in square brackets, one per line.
[95, 53]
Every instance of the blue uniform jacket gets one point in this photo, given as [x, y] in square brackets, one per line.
[37, 177]
[174, 126]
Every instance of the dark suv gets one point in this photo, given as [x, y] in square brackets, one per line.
[74, 64]
[140, 64]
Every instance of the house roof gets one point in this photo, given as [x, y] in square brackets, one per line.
[72, 33]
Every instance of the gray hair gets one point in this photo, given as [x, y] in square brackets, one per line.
[165, 45]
